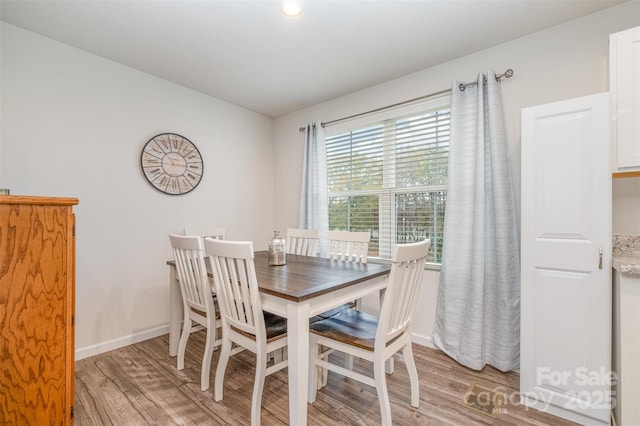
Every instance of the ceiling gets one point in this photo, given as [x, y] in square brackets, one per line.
[250, 54]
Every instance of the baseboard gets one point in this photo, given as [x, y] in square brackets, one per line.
[87, 351]
[421, 339]
[562, 412]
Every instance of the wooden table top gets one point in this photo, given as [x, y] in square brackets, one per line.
[305, 277]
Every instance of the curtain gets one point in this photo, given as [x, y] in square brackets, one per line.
[478, 307]
[314, 209]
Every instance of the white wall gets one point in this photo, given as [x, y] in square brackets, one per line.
[626, 206]
[563, 62]
[74, 124]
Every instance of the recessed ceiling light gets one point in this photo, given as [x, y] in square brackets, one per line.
[291, 8]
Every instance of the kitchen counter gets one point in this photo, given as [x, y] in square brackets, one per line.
[627, 264]
[626, 254]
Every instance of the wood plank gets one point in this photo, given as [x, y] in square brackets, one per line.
[621, 175]
[39, 200]
[139, 385]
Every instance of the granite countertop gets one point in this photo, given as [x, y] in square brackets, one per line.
[626, 254]
[627, 264]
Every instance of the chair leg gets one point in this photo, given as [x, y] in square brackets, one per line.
[205, 371]
[407, 353]
[379, 376]
[222, 367]
[315, 372]
[278, 355]
[389, 365]
[182, 345]
[348, 361]
[323, 372]
[324, 378]
[256, 400]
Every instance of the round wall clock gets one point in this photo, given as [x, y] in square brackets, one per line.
[172, 163]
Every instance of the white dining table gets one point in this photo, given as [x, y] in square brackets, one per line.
[304, 287]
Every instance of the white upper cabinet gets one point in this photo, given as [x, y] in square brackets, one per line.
[625, 95]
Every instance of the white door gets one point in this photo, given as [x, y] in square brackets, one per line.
[566, 259]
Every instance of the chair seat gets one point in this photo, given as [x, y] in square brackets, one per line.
[350, 326]
[315, 318]
[204, 314]
[337, 310]
[275, 325]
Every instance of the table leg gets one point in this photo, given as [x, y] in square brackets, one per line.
[298, 351]
[175, 311]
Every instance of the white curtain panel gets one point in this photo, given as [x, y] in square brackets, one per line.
[478, 307]
[314, 210]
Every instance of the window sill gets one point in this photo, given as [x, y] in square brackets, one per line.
[427, 266]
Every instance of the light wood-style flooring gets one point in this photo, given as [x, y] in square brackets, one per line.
[139, 385]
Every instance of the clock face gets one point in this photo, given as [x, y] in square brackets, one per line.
[172, 163]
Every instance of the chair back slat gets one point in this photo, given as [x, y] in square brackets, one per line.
[348, 246]
[303, 241]
[217, 233]
[403, 287]
[188, 253]
[234, 277]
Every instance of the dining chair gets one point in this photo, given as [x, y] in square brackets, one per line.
[375, 339]
[348, 245]
[217, 233]
[303, 241]
[244, 323]
[198, 301]
[207, 232]
[351, 246]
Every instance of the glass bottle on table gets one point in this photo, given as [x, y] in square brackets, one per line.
[277, 252]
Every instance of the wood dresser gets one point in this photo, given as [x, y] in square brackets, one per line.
[37, 309]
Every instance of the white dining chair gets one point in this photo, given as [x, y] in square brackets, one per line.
[198, 301]
[207, 232]
[348, 245]
[302, 241]
[244, 323]
[351, 247]
[375, 339]
[204, 232]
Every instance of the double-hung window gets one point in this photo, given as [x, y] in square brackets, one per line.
[388, 175]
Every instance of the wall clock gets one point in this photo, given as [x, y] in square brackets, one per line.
[172, 163]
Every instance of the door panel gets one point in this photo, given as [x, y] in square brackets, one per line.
[566, 220]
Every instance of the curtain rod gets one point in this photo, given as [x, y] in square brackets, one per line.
[462, 86]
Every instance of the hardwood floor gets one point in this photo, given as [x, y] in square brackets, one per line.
[139, 385]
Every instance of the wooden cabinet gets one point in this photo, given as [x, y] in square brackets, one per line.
[624, 71]
[37, 307]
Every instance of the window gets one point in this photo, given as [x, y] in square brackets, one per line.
[389, 177]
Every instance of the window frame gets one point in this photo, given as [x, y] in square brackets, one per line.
[387, 212]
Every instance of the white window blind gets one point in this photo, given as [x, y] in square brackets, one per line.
[389, 177]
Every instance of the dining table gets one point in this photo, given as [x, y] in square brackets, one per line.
[303, 287]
